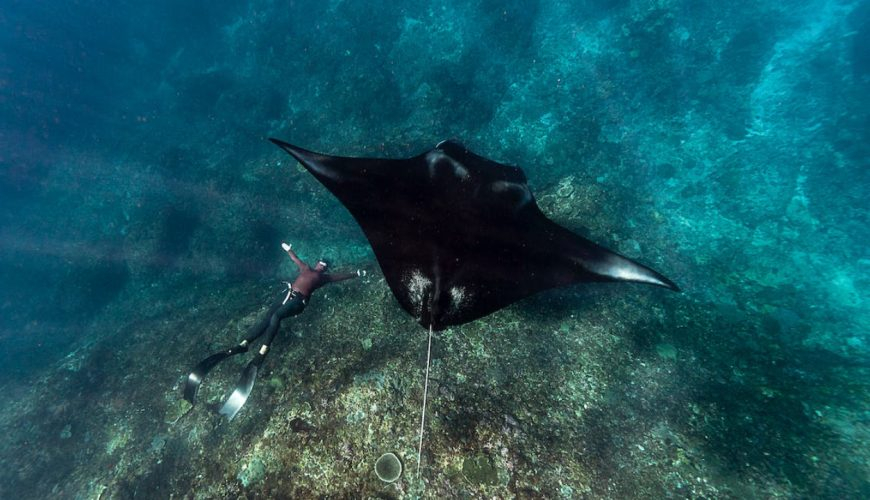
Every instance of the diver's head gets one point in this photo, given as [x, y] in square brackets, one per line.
[321, 265]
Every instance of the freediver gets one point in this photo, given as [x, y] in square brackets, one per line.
[291, 303]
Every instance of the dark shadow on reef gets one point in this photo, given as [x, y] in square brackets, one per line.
[765, 399]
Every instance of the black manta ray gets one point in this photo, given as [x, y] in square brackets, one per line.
[459, 236]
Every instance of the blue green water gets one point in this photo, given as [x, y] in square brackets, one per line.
[142, 208]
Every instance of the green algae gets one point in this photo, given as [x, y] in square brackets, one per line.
[666, 351]
[119, 440]
[175, 409]
[277, 383]
[252, 473]
[480, 469]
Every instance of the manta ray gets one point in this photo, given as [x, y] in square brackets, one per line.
[459, 236]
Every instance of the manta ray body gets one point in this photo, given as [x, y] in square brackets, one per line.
[459, 236]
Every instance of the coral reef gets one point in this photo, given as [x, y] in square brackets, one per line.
[722, 143]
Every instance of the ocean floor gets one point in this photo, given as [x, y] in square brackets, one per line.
[142, 210]
[605, 390]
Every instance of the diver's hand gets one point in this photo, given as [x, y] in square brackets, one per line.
[289, 249]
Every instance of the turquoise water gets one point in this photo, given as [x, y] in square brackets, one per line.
[142, 210]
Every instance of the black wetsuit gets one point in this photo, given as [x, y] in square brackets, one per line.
[293, 303]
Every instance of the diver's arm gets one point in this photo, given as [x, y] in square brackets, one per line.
[289, 249]
[334, 278]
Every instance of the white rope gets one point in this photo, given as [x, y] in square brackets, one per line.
[425, 393]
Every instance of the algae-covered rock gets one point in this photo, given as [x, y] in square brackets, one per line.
[666, 351]
[175, 409]
[118, 440]
[158, 443]
[480, 470]
[276, 383]
[252, 473]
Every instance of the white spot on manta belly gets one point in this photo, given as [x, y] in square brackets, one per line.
[417, 284]
[434, 158]
[459, 298]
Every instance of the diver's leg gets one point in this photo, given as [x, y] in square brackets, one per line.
[279, 314]
[194, 379]
[246, 382]
[291, 308]
[255, 331]
[274, 326]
